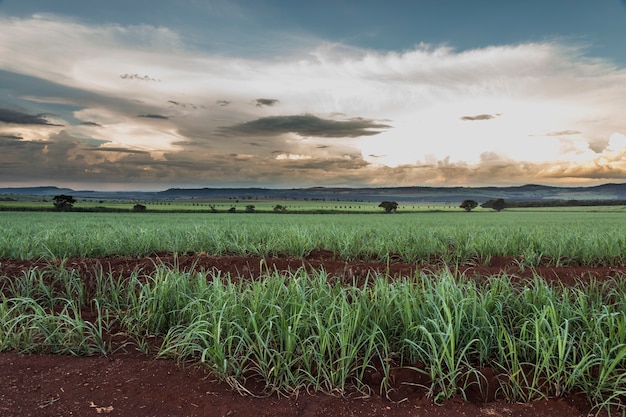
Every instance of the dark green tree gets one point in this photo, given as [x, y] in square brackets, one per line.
[280, 209]
[139, 208]
[250, 208]
[63, 202]
[497, 204]
[389, 206]
[468, 205]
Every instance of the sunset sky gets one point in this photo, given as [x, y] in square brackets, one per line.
[152, 94]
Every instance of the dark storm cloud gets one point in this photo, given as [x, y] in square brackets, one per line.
[307, 125]
[260, 102]
[185, 105]
[93, 124]
[27, 86]
[79, 160]
[119, 150]
[478, 117]
[11, 137]
[153, 116]
[21, 118]
[99, 164]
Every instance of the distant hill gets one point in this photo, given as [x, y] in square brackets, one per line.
[50, 191]
[529, 192]
[39, 191]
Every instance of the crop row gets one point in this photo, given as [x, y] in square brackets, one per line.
[298, 332]
[570, 238]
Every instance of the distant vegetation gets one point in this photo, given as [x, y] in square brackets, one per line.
[389, 206]
[63, 202]
[468, 205]
[497, 204]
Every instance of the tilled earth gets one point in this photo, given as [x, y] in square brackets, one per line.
[128, 383]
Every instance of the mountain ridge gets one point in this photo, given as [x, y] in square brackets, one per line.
[527, 192]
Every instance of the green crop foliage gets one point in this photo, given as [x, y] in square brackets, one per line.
[560, 238]
[300, 332]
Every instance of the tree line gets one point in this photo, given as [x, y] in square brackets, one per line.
[66, 203]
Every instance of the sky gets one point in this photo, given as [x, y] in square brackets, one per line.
[153, 94]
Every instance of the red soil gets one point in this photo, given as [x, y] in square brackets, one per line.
[132, 384]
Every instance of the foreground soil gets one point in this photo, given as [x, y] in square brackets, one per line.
[128, 383]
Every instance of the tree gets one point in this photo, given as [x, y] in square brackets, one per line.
[280, 209]
[63, 202]
[250, 208]
[139, 208]
[468, 205]
[389, 206]
[497, 205]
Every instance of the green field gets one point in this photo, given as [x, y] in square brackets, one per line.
[299, 332]
[564, 237]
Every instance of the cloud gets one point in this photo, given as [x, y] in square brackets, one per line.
[594, 172]
[153, 116]
[307, 125]
[138, 77]
[11, 137]
[92, 124]
[106, 163]
[67, 158]
[346, 163]
[185, 105]
[261, 102]
[21, 118]
[564, 133]
[119, 150]
[478, 117]
[428, 94]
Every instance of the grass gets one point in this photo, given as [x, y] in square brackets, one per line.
[297, 332]
[560, 238]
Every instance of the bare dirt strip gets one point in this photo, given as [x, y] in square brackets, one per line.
[128, 383]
